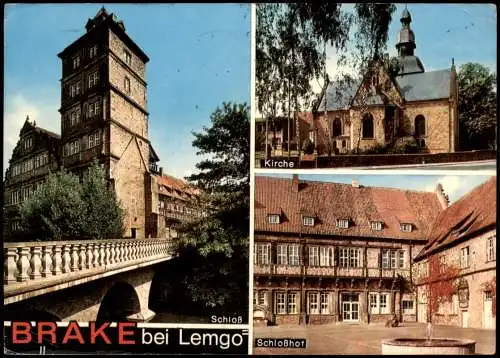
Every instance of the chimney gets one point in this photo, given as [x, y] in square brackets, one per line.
[295, 183]
[442, 197]
[355, 183]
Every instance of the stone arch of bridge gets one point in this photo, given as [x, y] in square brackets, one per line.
[119, 303]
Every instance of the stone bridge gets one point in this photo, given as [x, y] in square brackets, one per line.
[103, 280]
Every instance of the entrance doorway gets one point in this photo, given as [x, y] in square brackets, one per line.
[134, 233]
[465, 319]
[350, 307]
[488, 321]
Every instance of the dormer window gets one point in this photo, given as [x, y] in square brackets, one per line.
[343, 223]
[406, 227]
[376, 225]
[273, 219]
[308, 221]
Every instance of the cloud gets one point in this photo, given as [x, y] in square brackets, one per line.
[17, 107]
[457, 186]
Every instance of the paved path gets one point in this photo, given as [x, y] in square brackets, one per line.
[358, 339]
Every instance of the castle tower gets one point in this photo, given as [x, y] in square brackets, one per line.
[104, 112]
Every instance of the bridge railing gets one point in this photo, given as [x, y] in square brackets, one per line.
[31, 261]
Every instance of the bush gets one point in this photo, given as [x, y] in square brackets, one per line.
[308, 146]
[406, 145]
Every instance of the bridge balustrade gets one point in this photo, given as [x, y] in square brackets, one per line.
[32, 261]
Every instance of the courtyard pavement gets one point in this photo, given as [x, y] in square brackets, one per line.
[363, 339]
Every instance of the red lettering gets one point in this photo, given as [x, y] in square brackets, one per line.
[21, 329]
[100, 332]
[73, 326]
[122, 332]
[50, 331]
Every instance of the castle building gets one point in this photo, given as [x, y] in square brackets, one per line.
[177, 203]
[327, 252]
[37, 152]
[103, 115]
[463, 238]
[397, 102]
[104, 112]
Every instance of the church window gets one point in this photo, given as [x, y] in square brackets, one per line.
[419, 126]
[368, 126]
[337, 127]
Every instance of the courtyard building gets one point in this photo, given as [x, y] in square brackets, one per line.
[327, 252]
[464, 238]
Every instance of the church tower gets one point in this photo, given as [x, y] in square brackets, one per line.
[409, 63]
[104, 112]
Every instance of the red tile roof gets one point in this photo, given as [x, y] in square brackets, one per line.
[174, 184]
[467, 217]
[328, 202]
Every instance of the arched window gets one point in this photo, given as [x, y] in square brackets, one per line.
[367, 125]
[419, 126]
[337, 127]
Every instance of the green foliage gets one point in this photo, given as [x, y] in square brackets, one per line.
[405, 145]
[477, 107]
[103, 216]
[213, 250]
[66, 207]
[308, 146]
[56, 209]
[291, 40]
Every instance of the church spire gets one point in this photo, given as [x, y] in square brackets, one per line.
[406, 40]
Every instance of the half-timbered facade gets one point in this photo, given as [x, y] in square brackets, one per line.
[37, 152]
[328, 252]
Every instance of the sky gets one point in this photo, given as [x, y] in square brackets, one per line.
[455, 186]
[466, 32]
[199, 58]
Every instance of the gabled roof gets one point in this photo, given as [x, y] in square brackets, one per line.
[174, 184]
[332, 201]
[425, 86]
[469, 216]
[413, 87]
[153, 157]
[30, 127]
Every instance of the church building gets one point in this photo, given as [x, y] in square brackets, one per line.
[391, 106]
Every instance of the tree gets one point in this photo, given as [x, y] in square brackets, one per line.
[477, 107]
[213, 250]
[291, 41]
[440, 285]
[66, 207]
[103, 217]
[55, 209]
